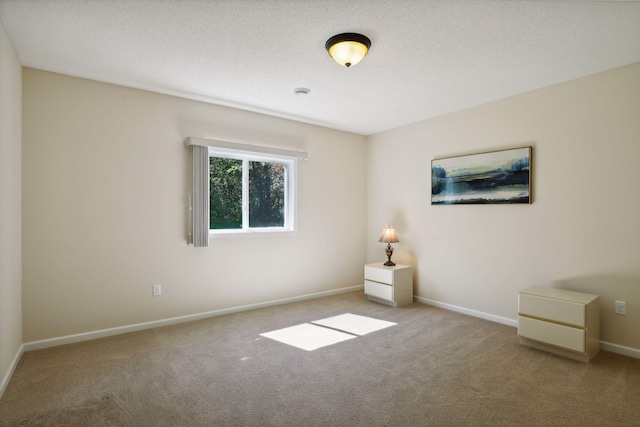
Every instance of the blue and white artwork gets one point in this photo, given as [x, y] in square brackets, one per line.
[496, 177]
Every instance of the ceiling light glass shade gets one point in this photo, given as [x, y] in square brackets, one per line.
[348, 49]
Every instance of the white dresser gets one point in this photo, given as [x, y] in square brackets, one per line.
[389, 285]
[562, 322]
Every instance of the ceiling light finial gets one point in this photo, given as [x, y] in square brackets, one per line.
[348, 49]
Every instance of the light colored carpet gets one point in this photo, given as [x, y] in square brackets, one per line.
[434, 368]
[105, 411]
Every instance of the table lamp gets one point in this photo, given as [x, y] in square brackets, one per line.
[389, 236]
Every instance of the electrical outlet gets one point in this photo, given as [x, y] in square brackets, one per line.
[621, 307]
[157, 290]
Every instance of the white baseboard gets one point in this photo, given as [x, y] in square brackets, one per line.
[474, 313]
[85, 336]
[620, 349]
[607, 346]
[69, 339]
[12, 368]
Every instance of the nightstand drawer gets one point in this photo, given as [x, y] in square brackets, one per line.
[556, 310]
[382, 275]
[378, 290]
[552, 333]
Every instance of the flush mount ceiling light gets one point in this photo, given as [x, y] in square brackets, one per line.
[348, 49]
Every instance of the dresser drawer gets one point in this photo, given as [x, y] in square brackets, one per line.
[381, 275]
[557, 310]
[551, 333]
[378, 290]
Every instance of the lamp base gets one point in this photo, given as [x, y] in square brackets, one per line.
[389, 252]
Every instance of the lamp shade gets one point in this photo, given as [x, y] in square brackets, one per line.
[348, 49]
[389, 235]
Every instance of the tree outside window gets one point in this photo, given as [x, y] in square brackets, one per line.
[248, 193]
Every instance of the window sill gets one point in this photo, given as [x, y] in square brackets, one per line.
[264, 232]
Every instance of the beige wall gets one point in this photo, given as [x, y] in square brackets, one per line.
[106, 181]
[10, 205]
[582, 231]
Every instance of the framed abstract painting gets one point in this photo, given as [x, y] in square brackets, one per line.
[498, 177]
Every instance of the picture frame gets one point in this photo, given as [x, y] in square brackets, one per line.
[496, 177]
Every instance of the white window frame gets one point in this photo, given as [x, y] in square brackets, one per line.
[289, 191]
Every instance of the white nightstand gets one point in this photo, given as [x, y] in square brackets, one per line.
[562, 322]
[389, 285]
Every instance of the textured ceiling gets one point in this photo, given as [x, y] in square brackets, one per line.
[427, 58]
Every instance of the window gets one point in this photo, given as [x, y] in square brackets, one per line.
[250, 192]
[240, 188]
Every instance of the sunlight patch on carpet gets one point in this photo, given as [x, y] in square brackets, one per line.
[307, 336]
[354, 324]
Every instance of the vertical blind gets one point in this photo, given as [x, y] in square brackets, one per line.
[200, 197]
